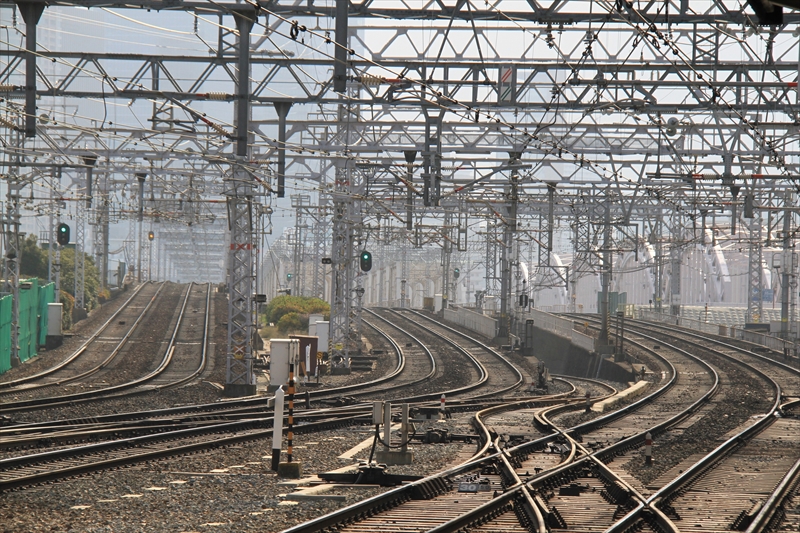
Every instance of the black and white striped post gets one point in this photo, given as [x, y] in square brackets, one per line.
[290, 419]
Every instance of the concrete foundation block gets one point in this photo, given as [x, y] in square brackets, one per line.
[293, 470]
[340, 371]
[51, 342]
[234, 390]
[394, 457]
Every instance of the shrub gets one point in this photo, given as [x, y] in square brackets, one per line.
[292, 323]
[68, 303]
[282, 305]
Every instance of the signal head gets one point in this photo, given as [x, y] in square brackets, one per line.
[366, 261]
[62, 235]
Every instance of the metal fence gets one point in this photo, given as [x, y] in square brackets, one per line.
[33, 302]
[5, 333]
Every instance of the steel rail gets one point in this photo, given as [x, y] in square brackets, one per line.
[779, 494]
[259, 429]
[710, 338]
[106, 392]
[720, 452]
[204, 349]
[496, 354]
[77, 353]
[437, 481]
[66, 399]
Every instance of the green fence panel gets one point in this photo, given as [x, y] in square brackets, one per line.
[28, 318]
[5, 333]
[47, 295]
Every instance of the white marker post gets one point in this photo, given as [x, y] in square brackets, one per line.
[277, 429]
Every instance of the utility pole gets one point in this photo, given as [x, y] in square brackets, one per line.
[81, 210]
[491, 256]
[319, 233]
[659, 264]
[53, 248]
[405, 251]
[13, 251]
[147, 258]
[31, 13]
[342, 259]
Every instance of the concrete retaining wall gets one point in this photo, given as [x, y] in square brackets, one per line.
[473, 321]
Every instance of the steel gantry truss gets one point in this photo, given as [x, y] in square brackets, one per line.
[667, 108]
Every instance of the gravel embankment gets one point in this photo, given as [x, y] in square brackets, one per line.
[229, 490]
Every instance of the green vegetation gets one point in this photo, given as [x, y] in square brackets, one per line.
[289, 314]
[34, 259]
[91, 286]
[33, 264]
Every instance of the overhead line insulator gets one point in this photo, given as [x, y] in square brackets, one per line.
[215, 96]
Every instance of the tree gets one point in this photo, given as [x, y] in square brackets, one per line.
[33, 260]
[91, 277]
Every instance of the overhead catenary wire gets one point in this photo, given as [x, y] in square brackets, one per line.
[487, 115]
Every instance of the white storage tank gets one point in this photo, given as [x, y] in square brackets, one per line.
[283, 352]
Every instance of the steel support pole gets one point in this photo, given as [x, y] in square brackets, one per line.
[676, 260]
[605, 276]
[13, 253]
[410, 156]
[283, 111]
[79, 278]
[140, 240]
[54, 246]
[755, 304]
[447, 250]
[659, 266]
[31, 13]
[509, 234]
[340, 52]
[239, 376]
[343, 269]
[786, 266]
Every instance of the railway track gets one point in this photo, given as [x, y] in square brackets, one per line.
[745, 481]
[570, 470]
[738, 485]
[119, 327]
[151, 428]
[517, 480]
[498, 374]
[170, 369]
